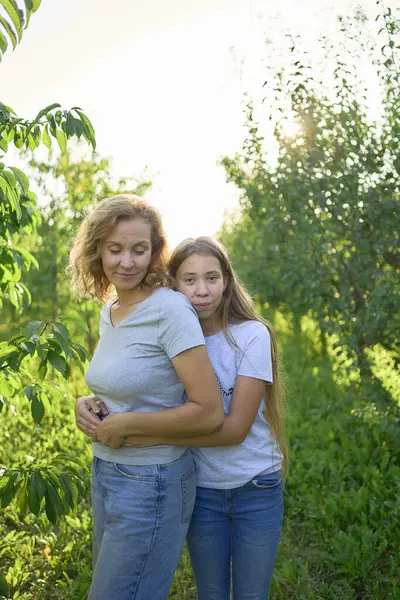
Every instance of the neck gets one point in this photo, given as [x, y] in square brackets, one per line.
[127, 298]
[212, 325]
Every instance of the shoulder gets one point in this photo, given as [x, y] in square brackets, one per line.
[249, 331]
[170, 299]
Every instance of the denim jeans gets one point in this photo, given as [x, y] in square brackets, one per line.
[141, 516]
[236, 529]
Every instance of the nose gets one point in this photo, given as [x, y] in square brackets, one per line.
[201, 288]
[127, 261]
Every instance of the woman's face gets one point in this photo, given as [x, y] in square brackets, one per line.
[200, 278]
[126, 254]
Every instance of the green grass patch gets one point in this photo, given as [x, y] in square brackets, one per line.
[342, 512]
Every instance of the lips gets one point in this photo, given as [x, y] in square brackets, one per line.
[203, 306]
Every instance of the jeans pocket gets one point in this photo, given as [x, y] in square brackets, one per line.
[137, 472]
[266, 482]
[188, 488]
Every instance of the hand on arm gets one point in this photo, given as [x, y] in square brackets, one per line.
[246, 400]
[203, 413]
[88, 413]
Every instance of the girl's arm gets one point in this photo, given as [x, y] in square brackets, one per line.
[246, 400]
[202, 414]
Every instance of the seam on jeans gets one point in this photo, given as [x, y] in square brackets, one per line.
[265, 486]
[184, 479]
[156, 527]
[145, 478]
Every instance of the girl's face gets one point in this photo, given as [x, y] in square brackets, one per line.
[201, 279]
[126, 254]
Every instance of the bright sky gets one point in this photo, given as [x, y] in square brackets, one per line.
[161, 84]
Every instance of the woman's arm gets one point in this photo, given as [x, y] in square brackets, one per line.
[202, 414]
[246, 400]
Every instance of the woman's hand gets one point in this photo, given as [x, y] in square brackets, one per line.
[89, 411]
[108, 432]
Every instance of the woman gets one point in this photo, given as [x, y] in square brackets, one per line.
[151, 347]
[238, 510]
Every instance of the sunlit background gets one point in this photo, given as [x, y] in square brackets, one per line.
[163, 83]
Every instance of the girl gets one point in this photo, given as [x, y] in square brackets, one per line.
[235, 527]
[151, 347]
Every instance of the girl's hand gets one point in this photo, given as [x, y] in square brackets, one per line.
[108, 432]
[89, 411]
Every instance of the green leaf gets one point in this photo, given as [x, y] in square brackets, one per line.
[14, 296]
[28, 11]
[22, 500]
[3, 586]
[7, 492]
[70, 490]
[29, 391]
[63, 343]
[46, 110]
[10, 177]
[9, 31]
[15, 14]
[6, 389]
[42, 370]
[33, 498]
[88, 129]
[62, 330]
[70, 128]
[3, 42]
[21, 178]
[57, 361]
[61, 139]
[37, 408]
[33, 328]
[46, 138]
[81, 351]
[38, 485]
[54, 506]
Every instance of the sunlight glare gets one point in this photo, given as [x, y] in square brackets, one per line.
[290, 128]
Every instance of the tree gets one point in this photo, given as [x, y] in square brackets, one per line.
[79, 185]
[321, 225]
[54, 485]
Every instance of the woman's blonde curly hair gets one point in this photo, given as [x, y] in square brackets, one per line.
[85, 266]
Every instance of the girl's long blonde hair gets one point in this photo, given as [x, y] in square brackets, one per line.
[237, 306]
[85, 266]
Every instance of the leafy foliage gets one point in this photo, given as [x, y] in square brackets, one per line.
[26, 357]
[341, 531]
[16, 18]
[17, 202]
[318, 230]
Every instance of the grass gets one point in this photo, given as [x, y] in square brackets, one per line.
[342, 514]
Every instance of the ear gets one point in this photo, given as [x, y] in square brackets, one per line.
[173, 283]
[226, 280]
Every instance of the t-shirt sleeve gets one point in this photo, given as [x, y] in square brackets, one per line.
[179, 328]
[256, 358]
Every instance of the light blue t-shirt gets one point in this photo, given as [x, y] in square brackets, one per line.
[131, 369]
[229, 467]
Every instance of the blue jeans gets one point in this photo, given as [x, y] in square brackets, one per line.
[141, 517]
[238, 529]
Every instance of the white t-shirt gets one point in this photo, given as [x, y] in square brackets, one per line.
[229, 467]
